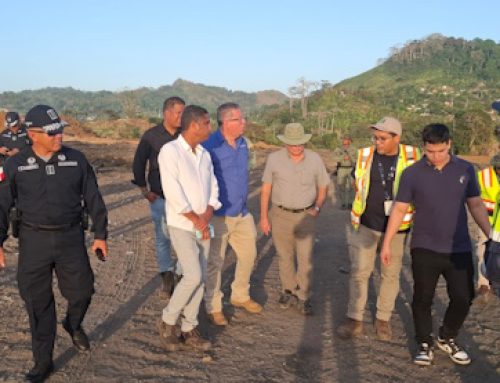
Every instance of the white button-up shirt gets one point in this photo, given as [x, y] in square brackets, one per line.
[187, 180]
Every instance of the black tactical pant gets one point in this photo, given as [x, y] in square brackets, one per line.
[458, 271]
[41, 252]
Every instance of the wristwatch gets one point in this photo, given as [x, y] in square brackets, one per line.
[317, 208]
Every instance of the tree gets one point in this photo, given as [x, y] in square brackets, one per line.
[128, 100]
[302, 90]
[473, 131]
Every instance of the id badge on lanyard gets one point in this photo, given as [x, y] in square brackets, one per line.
[388, 202]
[388, 207]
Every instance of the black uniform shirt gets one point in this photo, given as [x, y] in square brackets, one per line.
[50, 193]
[149, 148]
[12, 140]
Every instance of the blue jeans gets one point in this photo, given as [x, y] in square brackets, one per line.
[163, 255]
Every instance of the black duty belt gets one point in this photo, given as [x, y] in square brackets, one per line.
[295, 210]
[36, 226]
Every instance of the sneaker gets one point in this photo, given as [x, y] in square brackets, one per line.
[456, 353]
[287, 299]
[383, 330]
[192, 340]
[250, 305]
[218, 318]
[425, 355]
[304, 307]
[351, 328]
[169, 336]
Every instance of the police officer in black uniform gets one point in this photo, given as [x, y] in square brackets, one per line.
[13, 138]
[49, 184]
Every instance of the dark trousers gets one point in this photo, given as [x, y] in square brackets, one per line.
[458, 271]
[40, 253]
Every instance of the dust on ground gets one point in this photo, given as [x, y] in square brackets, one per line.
[274, 346]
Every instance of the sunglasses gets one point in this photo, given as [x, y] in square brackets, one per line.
[51, 133]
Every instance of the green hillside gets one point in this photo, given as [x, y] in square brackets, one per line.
[142, 102]
[437, 79]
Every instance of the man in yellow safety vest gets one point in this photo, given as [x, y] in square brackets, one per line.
[377, 173]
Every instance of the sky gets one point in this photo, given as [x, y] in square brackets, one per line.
[240, 45]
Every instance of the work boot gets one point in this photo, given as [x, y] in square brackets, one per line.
[249, 305]
[39, 373]
[79, 338]
[350, 328]
[218, 318]
[483, 294]
[168, 282]
[304, 307]
[192, 340]
[383, 330]
[287, 299]
[169, 336]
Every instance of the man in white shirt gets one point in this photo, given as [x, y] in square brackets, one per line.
[191, 196]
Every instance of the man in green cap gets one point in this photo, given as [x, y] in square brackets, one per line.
[346, 158]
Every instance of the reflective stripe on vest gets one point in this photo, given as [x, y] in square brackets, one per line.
[488, 183]
[495, 236]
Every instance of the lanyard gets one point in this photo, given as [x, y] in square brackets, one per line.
[390, 176]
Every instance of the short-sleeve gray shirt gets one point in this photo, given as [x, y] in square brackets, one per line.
[294, 185]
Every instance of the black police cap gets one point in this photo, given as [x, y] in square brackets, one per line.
[11, 119]
[45, 117]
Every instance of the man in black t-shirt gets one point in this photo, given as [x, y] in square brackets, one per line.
[376, 177]
[146, 157]
[439, 186]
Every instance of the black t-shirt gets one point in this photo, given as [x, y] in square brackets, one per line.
[146, 155]
[374, 215]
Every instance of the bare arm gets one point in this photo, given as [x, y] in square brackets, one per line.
[399, 210]
[2, 258]
[265, 196]
[479, 213]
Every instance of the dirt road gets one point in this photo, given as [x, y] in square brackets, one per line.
[275, 346]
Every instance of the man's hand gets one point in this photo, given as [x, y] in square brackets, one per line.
[312, 211]
[200, 223]
[150, 196]
[205, 234]
[100, 244]
[265, 225]
[208, 214]
[385, 255]
[4, 150]
[12, 152]
[2, 258]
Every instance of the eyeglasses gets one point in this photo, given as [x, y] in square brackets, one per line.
[380, 138]
[240, 119]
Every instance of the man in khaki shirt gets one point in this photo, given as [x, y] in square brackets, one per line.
[296, 182]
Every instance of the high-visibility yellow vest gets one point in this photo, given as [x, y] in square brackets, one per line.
[488, 183]
[406, 157]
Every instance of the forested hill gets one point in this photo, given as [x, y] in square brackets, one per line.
[436, 79]
[435, 61]
[142, 102]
